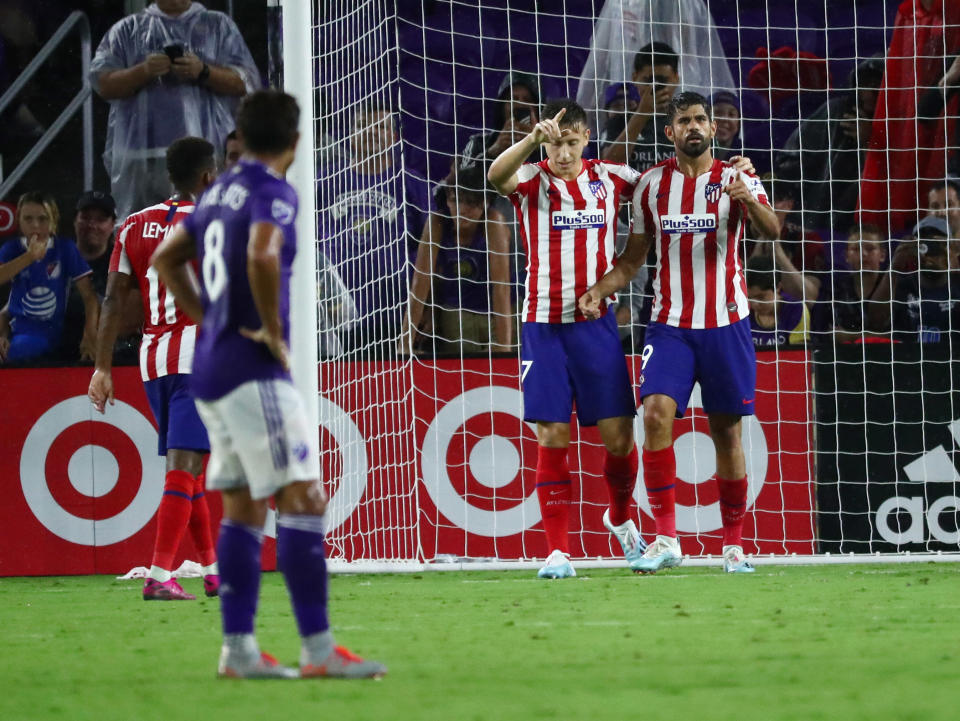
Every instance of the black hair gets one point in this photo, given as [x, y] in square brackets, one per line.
[232, 135]
[187, 159]
[684, 100]
[466, 183]
[761, 273]
[268, 121]
[656, 53]
[575, 114]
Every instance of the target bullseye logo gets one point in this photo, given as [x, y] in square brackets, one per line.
[8, 218]
[93, 482]
[493, 462]
[697, 462]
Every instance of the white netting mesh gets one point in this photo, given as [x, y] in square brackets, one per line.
[837, 105]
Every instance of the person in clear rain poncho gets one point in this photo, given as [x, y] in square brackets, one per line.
[172, 70]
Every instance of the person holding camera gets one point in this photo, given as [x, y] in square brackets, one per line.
[639, 138]
[172, 70]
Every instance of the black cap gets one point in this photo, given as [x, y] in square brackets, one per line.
[97, 199]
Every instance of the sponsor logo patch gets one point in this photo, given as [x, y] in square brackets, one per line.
[577, 219]
[690, 223]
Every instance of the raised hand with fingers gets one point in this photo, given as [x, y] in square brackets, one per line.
[36, 248]
[743, 164]
[548, 129]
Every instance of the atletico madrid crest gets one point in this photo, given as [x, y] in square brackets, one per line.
[598, 189]
[712, 192]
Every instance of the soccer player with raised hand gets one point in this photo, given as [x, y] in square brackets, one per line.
[261, 442]
[694, 209]
[567, 208]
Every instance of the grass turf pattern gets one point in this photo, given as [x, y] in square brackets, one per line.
[820, 642]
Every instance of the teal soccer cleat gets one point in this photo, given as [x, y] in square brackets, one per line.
[557, 566]
[735, 562]
[630, 541]
[662, 553]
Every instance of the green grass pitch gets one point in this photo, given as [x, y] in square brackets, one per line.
[817, 642]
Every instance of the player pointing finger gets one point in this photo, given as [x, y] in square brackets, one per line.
[548, 129]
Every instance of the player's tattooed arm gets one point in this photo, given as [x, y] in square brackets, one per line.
[503, 171]
[629, 262]
[172, 261]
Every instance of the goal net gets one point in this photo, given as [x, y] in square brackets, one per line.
[420, 269]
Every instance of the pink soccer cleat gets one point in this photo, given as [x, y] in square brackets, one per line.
[211, 585]
[170, 590]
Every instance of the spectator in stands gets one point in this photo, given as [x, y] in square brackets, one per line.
[943, 201]
[906, 257]
[776, 318]
[826, 152]
[620, 102]
[926, 305]
[641, 142]
[93, 225]
[368, 232]
[728, 140]
[860, 300]
[514, 113]
[463, 263]
[906, 153]
[172, 70]
[42, 267]
[232, 150]
[806, 249]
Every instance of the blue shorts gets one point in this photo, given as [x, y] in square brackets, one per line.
[178, 424]
[722, 360]
[583, 362]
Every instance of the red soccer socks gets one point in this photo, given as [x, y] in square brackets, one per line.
[620, 473]
[172, 517]
[660, 477]
[553, 492]
[733, 507]
[199, 524]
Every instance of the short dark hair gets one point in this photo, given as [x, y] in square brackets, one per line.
[684, 100]
[656, 53]
[268, 121]
[468, 183]
[761, 273]
[575, 114]
[187, 159]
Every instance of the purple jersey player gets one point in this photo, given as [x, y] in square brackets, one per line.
[261, 444]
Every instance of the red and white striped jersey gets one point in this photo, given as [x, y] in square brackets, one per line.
[569, 232]
[696, 232]
[168, 333]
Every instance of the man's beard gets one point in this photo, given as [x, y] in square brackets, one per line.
[695, 151]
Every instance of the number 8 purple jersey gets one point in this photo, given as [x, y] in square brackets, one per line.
[249, 193]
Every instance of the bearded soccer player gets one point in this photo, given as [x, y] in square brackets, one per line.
[261, 443]
[166, 353]
[693, 208]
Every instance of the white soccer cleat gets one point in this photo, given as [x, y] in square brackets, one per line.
[664, 552]
[260, 666]
[630, 541]
[557, 566]
[734, 560]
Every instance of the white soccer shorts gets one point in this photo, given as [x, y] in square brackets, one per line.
[260, 438]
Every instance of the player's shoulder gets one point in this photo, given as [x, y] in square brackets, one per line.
[620, 170]
[529, 171]
[655, 172]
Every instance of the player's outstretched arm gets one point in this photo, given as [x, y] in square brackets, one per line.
[503, 171]
[263, 271]
[100, 390]
[629, 262]
[172, 261]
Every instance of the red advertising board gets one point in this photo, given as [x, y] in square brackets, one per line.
[421, 462]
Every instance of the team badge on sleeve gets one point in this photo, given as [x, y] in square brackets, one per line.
[282, 211]
[712, 192]
[598, 189]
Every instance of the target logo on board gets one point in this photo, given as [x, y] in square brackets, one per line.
[8, 219]
[71, 468]
[471, 471]
[697, 462]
